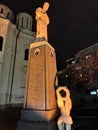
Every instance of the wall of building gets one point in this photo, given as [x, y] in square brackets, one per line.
[15, 40]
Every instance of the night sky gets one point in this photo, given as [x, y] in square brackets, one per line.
[73, 24]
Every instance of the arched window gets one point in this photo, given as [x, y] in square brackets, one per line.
[8, 15]
[26, 54]
[1, 43]
[27, 22]
[1, 10]
[22, 21]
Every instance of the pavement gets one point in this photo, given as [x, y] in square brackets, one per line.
[9, 118]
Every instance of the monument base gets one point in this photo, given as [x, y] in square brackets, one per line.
[27, 125]
[38, 120]
[38, 115]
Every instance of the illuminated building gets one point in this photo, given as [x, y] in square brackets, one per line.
[81, 75]
[14, 46]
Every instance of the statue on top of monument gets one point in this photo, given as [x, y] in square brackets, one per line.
[42, 22]
[65, 105]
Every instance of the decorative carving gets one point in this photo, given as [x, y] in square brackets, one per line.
[37, 52]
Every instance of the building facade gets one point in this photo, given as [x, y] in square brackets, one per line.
[15, 40]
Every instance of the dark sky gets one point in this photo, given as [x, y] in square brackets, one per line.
[73, 24]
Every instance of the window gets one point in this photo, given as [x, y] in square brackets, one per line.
[26, 54]
[8, 15]
[1, 43]
[22, 21]
[1, 10]
[27, 22]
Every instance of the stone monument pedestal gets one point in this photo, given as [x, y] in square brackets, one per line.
[25, 125]
[37, 115]
[40, 107]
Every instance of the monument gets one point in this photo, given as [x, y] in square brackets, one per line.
[40, 107]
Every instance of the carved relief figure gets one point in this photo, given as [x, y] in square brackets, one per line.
[42, 21]
[65, 105]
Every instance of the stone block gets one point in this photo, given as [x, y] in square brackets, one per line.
[25, 125]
